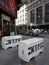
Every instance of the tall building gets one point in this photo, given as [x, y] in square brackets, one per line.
[22, 16]
[38, 12]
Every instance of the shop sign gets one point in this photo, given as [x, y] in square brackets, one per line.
[9, 6]
[12, 4]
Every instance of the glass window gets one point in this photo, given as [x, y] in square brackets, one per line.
[39, 15]
[12, 24]
[32, 15]
[47, 12]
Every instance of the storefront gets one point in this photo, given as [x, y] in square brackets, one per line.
[8, 12]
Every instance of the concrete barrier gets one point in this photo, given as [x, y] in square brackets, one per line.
[11, 41]
[30, 48]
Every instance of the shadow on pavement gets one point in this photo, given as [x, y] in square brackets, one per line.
[32, 62]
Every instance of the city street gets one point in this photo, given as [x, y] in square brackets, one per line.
[10, 56]
[29, 19]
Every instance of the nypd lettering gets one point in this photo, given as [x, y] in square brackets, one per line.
[12, 41]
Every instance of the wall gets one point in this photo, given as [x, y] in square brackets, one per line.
[9, 6]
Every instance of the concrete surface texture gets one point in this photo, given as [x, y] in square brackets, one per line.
[10, 56]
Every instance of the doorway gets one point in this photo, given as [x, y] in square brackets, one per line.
[6, 28]
[5, 25]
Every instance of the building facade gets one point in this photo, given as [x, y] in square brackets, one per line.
[22, 16]
[38, 13]
[7, 17]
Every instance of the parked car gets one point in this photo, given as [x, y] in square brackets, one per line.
[43, 30]
[35, 32]
[27, 30]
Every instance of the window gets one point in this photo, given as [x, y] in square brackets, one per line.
[32, 15]
[47, 12]
[39, 15]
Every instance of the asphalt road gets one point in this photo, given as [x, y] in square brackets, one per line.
[10, 56]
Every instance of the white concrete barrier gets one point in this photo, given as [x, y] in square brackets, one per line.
[30, 48]
[11, 41]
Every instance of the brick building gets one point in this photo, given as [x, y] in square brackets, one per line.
[8, 12]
